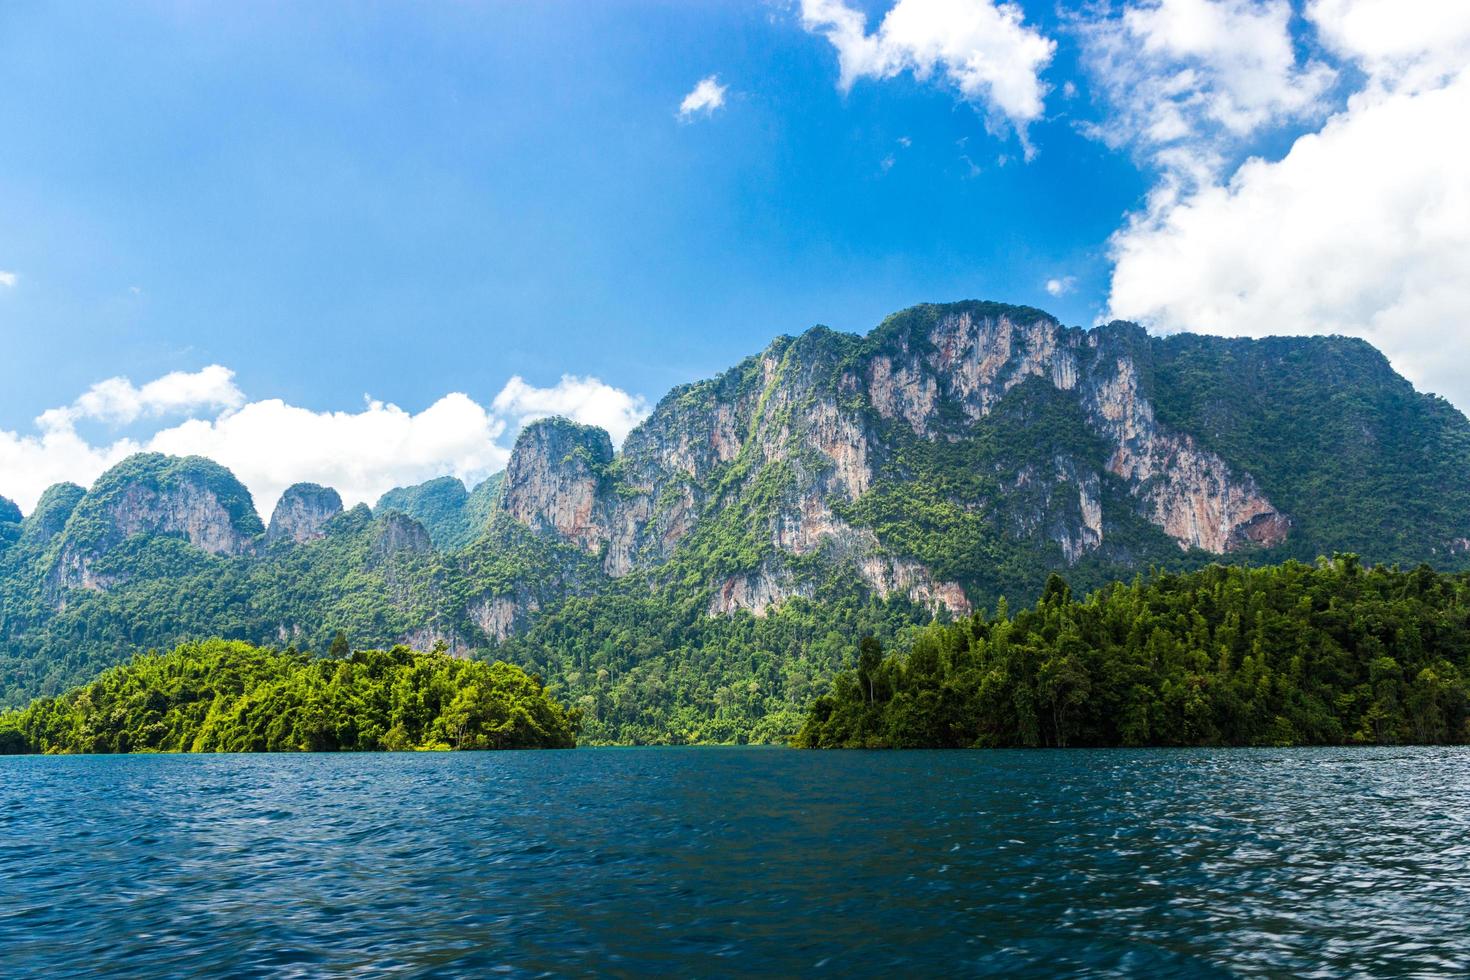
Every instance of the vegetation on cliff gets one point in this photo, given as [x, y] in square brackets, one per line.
[704, 582]
[221, 696]
[1325, 654]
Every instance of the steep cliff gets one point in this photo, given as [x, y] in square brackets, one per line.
[302, 513]
[558, 482]
[830, 485]
[757, 483]
[152, 495]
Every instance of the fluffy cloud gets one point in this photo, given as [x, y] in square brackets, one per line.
[119, 402]
[8, 279]
[1061, 286]
[1186, 80]
[705, 97]
[1362, 228]
[270, 444]
[1417, 43]
[585, 400]
[31, 463]
[980, 48]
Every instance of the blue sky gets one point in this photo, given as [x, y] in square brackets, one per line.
[331, 201]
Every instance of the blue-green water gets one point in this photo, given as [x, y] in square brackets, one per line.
[729, 861]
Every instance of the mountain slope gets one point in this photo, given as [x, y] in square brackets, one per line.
[698, 582]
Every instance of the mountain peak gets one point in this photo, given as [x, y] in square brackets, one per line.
[152, 494]
[303, 512]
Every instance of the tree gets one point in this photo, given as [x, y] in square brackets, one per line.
[870, 658]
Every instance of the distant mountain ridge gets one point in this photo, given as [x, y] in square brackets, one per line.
[956, 453]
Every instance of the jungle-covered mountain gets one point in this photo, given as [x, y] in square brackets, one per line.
[705, 581]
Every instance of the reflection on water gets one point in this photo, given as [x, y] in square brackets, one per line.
[725, 861]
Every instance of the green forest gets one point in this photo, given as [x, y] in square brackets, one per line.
[1327, 654]
[223, 696]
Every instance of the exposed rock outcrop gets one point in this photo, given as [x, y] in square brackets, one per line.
[397, 533]
[302, 513]
[557, 481]
[788, 439]
[156, 496]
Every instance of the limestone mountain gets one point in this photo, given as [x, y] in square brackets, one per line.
[697, 582]
[302, 513]
[453, 515]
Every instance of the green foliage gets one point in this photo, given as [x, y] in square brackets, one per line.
[452, 516]
[1359, 459]
[1345, 448]
[479, 506]
[90, 528]
[221, 696]
[1287, 655]
[647, 668]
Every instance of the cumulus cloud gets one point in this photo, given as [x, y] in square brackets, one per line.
[705, 97]
[31, 463]
[1061, 286]
[1185, 81]
[1417, 43]
[981, 49]
[1361, 228]
[119, 402]
[8, 279]
[585, 400]
[270, 444]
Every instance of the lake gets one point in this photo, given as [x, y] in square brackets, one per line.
[717, 861]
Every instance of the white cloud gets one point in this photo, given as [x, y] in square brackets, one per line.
[1362, 228]
[1187, 81]
[270, 444]
[31, 463]
[1061, 286]
[585, 400]
[1416, 43]
[118, 402]
[980, 48]
[8, 279]
[705, 97]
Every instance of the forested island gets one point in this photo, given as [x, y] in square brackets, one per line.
[223, 696]
[1295, 654]
[1326, 654]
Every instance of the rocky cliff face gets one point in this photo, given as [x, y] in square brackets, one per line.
[154, 495]
[953, 455]
[302, 513]
[397, 533]
[793, 439]
[556, 482]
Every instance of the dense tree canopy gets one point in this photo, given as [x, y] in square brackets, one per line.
[1290, 655]
[222, 696]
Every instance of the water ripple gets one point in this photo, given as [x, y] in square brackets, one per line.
[722, 862]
